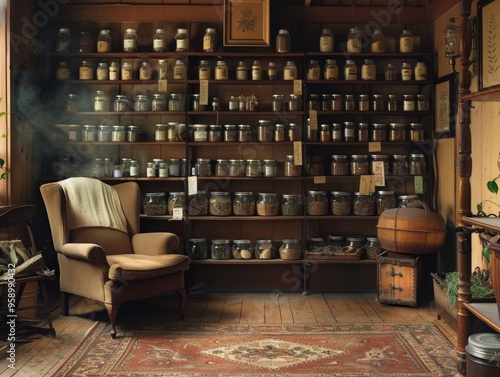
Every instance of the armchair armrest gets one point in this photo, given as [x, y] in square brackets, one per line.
[86, 251]
[155, 243]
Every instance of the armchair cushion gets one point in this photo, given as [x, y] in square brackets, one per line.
[132, 267]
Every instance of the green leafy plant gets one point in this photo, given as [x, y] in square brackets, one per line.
[492, 187]
[479, 288]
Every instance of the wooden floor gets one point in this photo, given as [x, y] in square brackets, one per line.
[42, 356]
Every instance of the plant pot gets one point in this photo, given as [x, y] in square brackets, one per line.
[495, 272]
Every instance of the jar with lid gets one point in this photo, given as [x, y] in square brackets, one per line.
[145, 71]
[314, 165]
[125, 163]
[379, 158]
[264, 249]
[313, 72]
[243, 204]
[89, 133]
[221, 70]
[73, 104]
[210, 40]
[336, 241]
[108, 167]
[359, 164]
[163, 169]
[313, 103]
[164, 72]
[215, 104]
[406, 41]
[355, 242]
[195, 103]
[222, 168]
[277, 102]
[279, 132]
[378, 102]
[203, 167]
[102, 71]
[200, 132]
[408, 102]
[104, 133]
[340, 203]
[256, 70]
[155, 204]
[363, 204]
[198, 204]
[418, 165]
[292, 205]
[63, 40]
[215, 133]
[130, 41]
[317, 203]
[272, 71]
[385, 200]
[392, 102]
[295, 102]
[362, 132]
[268, 204]
[101, 101]
[179, 71]
[142, 103]
[373, 248]
[176, 200]
[230, 132]
[134, 168]
[326, 41]
[241, 70]
[283, 41]
[406, 72]
[422, 102]
[311, 133]
[161, 132]
[349, 131]
[114, 71]
[236, 168]
[62, 71]
[119, 133]
[390, 72]
[290, 71]
[326, 102]
[85, 72]
[159, 102]
[354, 40]
[174, 167]
[399, 165]
[97, 167]
[397, 132]
[368, 70]
[294, 132]
[159, 41]
[84, 42]
[416, 132]
[265, 131]
[336, 102]
[220, 203]
[253, 168]
[134, 133]
[290, 249]
[350, 70]
[331, 70]
[244, 133]
[339, 165]
[420, 71]
[364, 103]
[377, 43]
[182, 40]
[325, 133]
[197, 248]
[408, 201]
[127, 72]
[242, 249]
[221, 249]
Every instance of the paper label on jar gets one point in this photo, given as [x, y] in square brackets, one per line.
[177, 214]
[158, 44]
[192, 185]
[374, 146]
[326, 44]
[85, 73]
[378, 46]
[129, 44]
[103, 46]
[378, 171]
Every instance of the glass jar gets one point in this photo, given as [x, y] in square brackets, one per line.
[127, 72]
[236, 168]
[283, 41]
[339, 165]
[265, 131]
[104, 133]
[362, 132]
[313, 103]
[373, 248]
[210, 40]
[326, 102]
[314, 165]
[406, 41]
[85, 72]
[121, 103]
[379, 158]
[222, 168]
[220, 203]
[264, 249]
[378, 102]
[182, 40]
[377, 43]
[331, 70]
[142, 103]
[336, 132]
[253, 168]
[62, 71]
[159, 102]
[292, 205]
[279, 132]
[397, 132]
[159, 41]
[130, 41]
[63, 40]
[145, 71]
[97, 168]
[197, 248]
[368, 70]
[101, 101]
[363, 204]
[336, 102]
[290, 249]
[326, 41]
[350, 70]
[102, 71]
[336, 241]
[406, 72]
[161, 132]
[392, 102]
[408, 102]
[84, 42]
[420, 71]
[355, 242]
[174, 167]
[294, 132]
[268, 204]
[164, 71]
[179, 70]
[313, 72]
[244, 133]
[119, 134]
[243, 204]
[230, 132]
[272, 71]
[221, 249]
[340, 203]
[215, 133]
[134, 133]
[134, 168]
[114, 71]
[257, 70]
[416, 132]
[359, 164]
[290, 71]
[202, 167]
[317, 203]
[292, 170]
[390, 72]
[176, 102]
[89, 133]
[408, 201]
[422, 102]
[277, 102]
[364, 103]
[399, 165]
[349, 131]
[269, 168]
[354, 40]
[155, 204]
[418, 165]
[385, 200]
[242, 249]
[325, 133]
[221, 70]
[198, 204]
[73, 104]
[204, 71]
[241, 70]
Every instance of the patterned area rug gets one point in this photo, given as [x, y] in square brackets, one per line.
[294, 350]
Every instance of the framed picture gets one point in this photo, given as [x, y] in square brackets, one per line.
[488, 12]
[444, 107]
[246, 22]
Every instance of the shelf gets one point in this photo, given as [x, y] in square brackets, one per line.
[127, 143]
[114, 82]
[486, 312]
[245, 55]
[213, 177]
[247, 113]
[343, 218]
[156, 179]
[367, 82]
[246, 262]
[116, 55]
[370, 55]
[127, 113]
[245, 82]
[156, 218]
[490, 223]
[245, 218]
[484, 95]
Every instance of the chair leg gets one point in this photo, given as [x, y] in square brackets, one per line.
[65, 303]
[112, 312]
[181, 293]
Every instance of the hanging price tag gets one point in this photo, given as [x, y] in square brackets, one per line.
[319, 179]
[162, 86]
[297, 87]
[418, 184]
[297, 152]
[313, 119]
[378, 170]
[203, 92]
[374, 146]
[192, 185]
[366, 184]
[177, 214]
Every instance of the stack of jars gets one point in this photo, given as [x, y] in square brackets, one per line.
[362, 164]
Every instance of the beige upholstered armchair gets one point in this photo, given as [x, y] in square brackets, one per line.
[101, 254]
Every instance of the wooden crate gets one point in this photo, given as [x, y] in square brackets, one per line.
[398, 279]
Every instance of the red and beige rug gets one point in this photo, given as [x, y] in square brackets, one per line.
[294, 350]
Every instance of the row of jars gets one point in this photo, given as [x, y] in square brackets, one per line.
[365, 102]
[129, 167]
[242, 249]
[350, 131]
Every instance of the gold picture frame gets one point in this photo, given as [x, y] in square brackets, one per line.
[246, 22]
